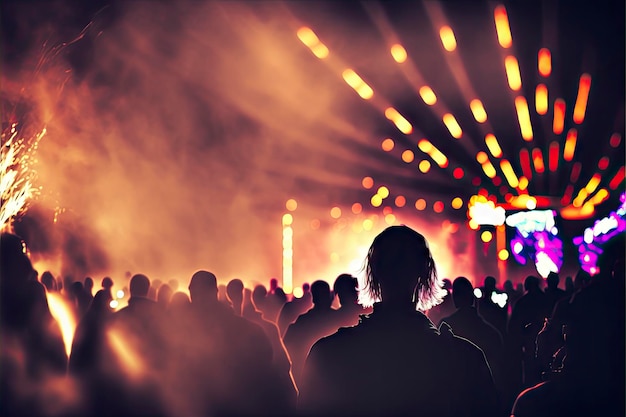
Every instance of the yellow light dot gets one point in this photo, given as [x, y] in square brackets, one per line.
[291, 204]
[420, 204]
[398, 53]
[334, 257]
[368, 224]
[315, 224]
[390, 219]
[503, 254]
[387, 144]
[287, 219]
[472, 224]
[408, 156]
[486, 236]
[428, 95]
[367, 182]
[376, 200]
[298, 292]
[383, 192]
[357, 208]
[335, 212]
[424, 166]
[457, 203]
[400, 201]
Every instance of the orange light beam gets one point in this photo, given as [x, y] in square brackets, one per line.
[492, 144]
[509, 174]
[570, 144]
[428, 148]
[581, 100]
[538, 161]
[428, 95]
[601, 196]
[478, 110]
[398, 53]
[580, 198]
[541, 99]
[310, 39]
[523, 116]
[617, 179]
[559, 116]
[401, 123]
[489, 169]
[512, 73]
[524, 160]
[553, 156]
[573, 176]
[447, 38]
[567, 195]
[353, 80]
[544, 62]
[503, 29]
[452, 125]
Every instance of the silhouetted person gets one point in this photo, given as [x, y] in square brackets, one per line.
[346, 289]
[526, 321]
[446, 307]
[107, 284]
[489, 310]
[552, 291]
[293, 309]
[512, 295]
[569, 286]
[47, 279]
[234, 290]
[164, 295]
[395, 362]
[179, 301]
[80, 297]
[274, 302]
[316, 323]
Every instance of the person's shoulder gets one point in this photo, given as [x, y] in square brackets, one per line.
[531, 398]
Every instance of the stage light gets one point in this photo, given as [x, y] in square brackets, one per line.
[493, 145]
[559, 116]
[523, 117]
[291, 204]
[512, 73]
[581, 100]
[541, 99]
[544, 62]
[387, 144]
[428, 95]
[408, 156]
[570, 144]
[401, 123]
[398, 53]
[367, 182]
[502, 27]
[452, 125]
[447, 38]
[478, 110]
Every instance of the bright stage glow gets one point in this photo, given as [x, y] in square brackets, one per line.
[453, 126]
[478, 111]
[523, 117]
[492, 144]
[398, 53]
[570, 144]
[401, 123]
[62, 313]
[559, 116]
[447, 38]
[581, 100]
[544, 62]
[512, 73]
[428, 95]
[502, 26]
[541, 99]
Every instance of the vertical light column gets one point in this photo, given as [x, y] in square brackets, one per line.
[287, 253]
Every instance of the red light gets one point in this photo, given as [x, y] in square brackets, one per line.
[524, 159]
[567, 195]
[497, 181]
[538, 160]
[575, 172]
[559, 116]
[603, 163]
[504, 190]
[476, 181]
[615, 140]
[458, 173]
[553, 161]
[617, 179]
[438, 206]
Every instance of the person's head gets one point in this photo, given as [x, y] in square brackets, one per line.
[531, 283]
[273, 285]
[553, 280]
[508, 286]
[139, 286]
[107, 283]
[322, 297]
[88, 284]
[179, 300]
[100, 302]
[345, 287]
[258, 296]
[164, 295]
[234, 290]
[47, 279]
[203, 287]
[489, 283]
[400, 269]
[462, 292]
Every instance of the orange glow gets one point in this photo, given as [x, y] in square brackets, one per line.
[538, 161]
[581, 100]
[482, 157]
[62, 313]
[553, 156]
[320, 50]
[367, 182]
[617, 179]
[398, 53]
[615, 140]
[478, 110]
[559, 116]
[383, 192]
[509, 174]
[428, 148]
[493, 145]
[390, 219]
[603, 163]
[486, 236]
[353, 80]
[400, 201]
[420, 204]
[315, 224]
[512, 73]
[307, 36]
[524, 160]
[502, 26]
[573, 177]
[489, 169]
[438, 206]
[457, 203]
[473, 224]
[368, 224]
[428, 95]
[447, 38]
[580, 198]
[452, 125]
[129, 360]
[376, 201]
[287, 219]
[335, 212]
[599, 197]
[291, 204]
[458, 173]
[424, 166]
[503, 254]
[544, 62]
[408, 156]
[578, 213]
[593, 183]
[388, 144]
[357, 208]
[401, 123]
[523, 183]
[387, 210]
[570, 145]
[523, 116]
[425, 146]
[567, 195]
[541, 99]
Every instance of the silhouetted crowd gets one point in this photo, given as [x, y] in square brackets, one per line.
[404, 342]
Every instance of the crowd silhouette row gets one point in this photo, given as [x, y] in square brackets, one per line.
[403, 342]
